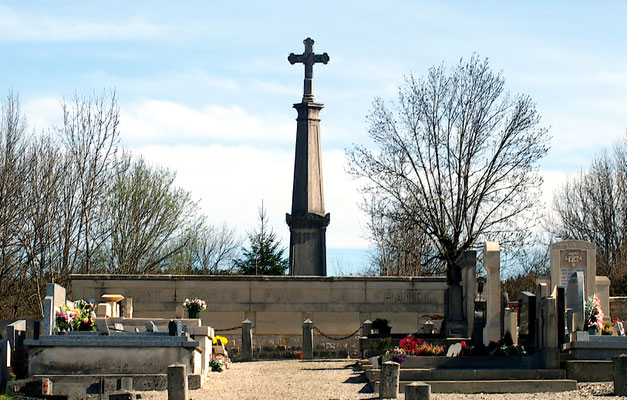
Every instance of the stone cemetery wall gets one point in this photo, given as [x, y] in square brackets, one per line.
[618, 307]
[277, 306]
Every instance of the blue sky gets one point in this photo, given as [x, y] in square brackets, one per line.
[205, 88]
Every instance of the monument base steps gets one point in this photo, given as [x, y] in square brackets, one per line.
[589, 370]
[86, 385]
[494, 386]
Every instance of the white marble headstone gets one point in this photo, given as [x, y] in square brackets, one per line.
[454, 350]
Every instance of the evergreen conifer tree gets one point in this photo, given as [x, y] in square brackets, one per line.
[264, 255]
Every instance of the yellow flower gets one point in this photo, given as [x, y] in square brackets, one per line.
[220, 340]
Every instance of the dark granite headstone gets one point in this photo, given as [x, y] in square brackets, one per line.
[151, 327]
[561, 315]
[527, 327]
[175, 328]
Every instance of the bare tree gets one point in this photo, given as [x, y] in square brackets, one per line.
[399, 248]
[90, 133]
[13, 143]
[593, 207]
[148, 218]
[457, 158]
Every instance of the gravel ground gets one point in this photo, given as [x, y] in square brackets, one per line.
[333, 379]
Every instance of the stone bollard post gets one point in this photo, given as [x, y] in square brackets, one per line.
[307, 339]
[418, 391]
[247, 340]
[388, 388]
[620, 375]
[177, 382]
[366, 328]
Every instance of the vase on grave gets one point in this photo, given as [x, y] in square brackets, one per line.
[194, 314]
[592, 331]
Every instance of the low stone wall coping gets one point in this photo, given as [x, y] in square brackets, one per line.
[259, 278]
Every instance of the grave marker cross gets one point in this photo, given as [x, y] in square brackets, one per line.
[309, 59]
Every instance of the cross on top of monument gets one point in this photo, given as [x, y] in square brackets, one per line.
[309, 59]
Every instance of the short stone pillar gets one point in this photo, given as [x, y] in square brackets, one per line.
[417, 391]
[390, 372]
[366, 328]
[247, 340]
[307, 339]
[620, 375]
[177, 382]
[492, 265]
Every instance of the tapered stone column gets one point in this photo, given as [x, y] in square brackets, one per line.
[308, 221]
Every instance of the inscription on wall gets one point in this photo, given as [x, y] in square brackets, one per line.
[572, 261]
[405, 296]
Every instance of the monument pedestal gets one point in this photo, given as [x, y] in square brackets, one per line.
[308, 246]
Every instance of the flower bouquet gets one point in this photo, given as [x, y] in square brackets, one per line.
[396, 354]
[194, 307]
[79, 318]
[594, 315]
[217, 363]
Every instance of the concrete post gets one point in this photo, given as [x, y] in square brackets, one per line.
[247, 340]
[417, 391]
[307, 339]
[620, 375]
[366, 328]
[177, 382]
[492, 265]
[388, 388]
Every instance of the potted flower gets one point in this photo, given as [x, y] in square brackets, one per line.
[594, 315]
[194, 307]
[217, 363]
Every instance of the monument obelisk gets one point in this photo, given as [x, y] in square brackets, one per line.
[308, 221]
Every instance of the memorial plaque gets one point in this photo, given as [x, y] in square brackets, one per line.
[572, 261]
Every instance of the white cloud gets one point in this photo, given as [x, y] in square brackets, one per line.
[18, 26]
[157, 121]
[231, 182]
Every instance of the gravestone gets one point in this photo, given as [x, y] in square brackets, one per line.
[102, 327]
[492, 265]
[575, 300]
[560, 301]
[454, 350]
[527, 310]
[572, 256]
[151, 327]
[308, 221]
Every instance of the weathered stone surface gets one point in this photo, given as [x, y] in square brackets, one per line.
[417, 391]
[575, 300]
[620, 375]
[247, 340]
[308, 339]
[492, 265]
[308, 220]
[278, 305]
[390, 373]
[177, 382]
[570, 256]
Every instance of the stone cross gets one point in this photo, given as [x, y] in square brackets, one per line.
[309, 59]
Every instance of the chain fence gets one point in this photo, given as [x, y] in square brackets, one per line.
[337, 338]
[229, 329]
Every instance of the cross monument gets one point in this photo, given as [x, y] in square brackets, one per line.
[308, 221]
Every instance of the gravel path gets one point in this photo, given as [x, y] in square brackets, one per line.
[330, 380]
